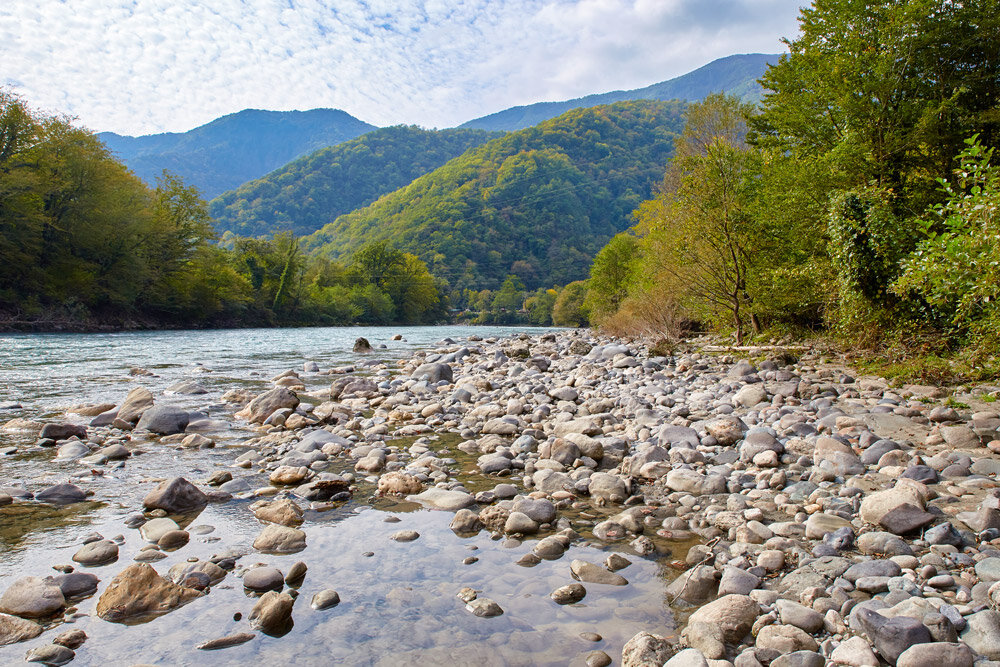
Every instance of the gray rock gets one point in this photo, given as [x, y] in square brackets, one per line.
[983, 633]
[175, 496]
[736, 580]
[434, 372]
[892, 636]
[595, 574]
[50, 654]
[154, 529]
[277, 539]
[63, 431]
[14, 629]
[97, 553]
[136, 402]
[646, 650]
[466, 521]
[61, 494]
[261, 579]
[32, 597]
[163, 420]
[484, 608]
[325, 599]
[443, 499]
[518, 522]
[937, 654]
[568, 594]
[272, 614]
[539, 510]
[793, 613]
[76, 584]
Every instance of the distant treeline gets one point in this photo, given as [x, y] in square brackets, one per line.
[85, 242]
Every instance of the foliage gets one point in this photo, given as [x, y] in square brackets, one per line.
[570, 309]
[612, 274]
[538, 203]
[309, 192]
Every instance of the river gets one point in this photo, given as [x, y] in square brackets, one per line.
[399, 603]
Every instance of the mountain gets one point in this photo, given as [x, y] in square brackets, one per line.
[234, 149]
[313, 190]
[736, 75]
[539, 202]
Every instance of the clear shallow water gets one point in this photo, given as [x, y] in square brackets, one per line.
[399, 606]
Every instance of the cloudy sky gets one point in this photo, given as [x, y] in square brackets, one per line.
[142, 66]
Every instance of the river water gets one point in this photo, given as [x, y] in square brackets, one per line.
[399, 604]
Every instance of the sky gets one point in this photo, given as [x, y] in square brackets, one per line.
[146, 66]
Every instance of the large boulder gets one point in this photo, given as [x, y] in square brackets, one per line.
[260, 408]
[646, 650]
[725, 621]
[138, 592]
[62, 431]
[175, 496]
[61, 494]
[163, 420]
[900, 509]
[32, 597]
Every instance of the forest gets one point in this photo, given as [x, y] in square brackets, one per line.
[859, 199]
[85, 244]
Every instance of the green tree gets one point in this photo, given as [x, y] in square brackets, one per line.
[570, 308]
[612, 274]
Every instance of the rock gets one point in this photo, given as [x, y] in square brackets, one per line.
[726, 429]
[325, 599]
[63, 431]
[982, 633]
[261, 579]
[892, 636]
[568, 594]
[32, 597]
[175, 496]
[855, 652]
[50, 654]
[361, 345]
[646, 650]
[736, 580]
[289, 475]
[136, 402]
[272, 614]
[750, 395]
[277, 539]
[960, 437]
[595, 574]
[484, 607]
[689, 657]
[398, 484]
[876, 506]
[466, 521]
[686, 481]
[607, 486]
[76, 584]
[61, 494]
[937, 654]
[138, 591]
[226, 642]
[793, 613]
[726, 621]
[405, 536]
[163, 420]
[72, 639]
[283, 511]
[97, 553]
[539, 510]
[260, 408]
[785, 639]
[72, 450]
[154, 529]
[518, 522]
[14, 629]
[434, 373]
[443, 499]
[695, 585]
[820, 523]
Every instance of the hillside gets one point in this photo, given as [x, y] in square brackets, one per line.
[735, 75]
[313, 190]
[538, 202]
[234, 149]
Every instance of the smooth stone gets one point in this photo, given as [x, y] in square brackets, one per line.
[646, 650]
[97, 553]
[405, 535]
[280, 540]
[261, 579]
[284, 512]
[163, 420]
[982, 633]
[137, 592]
[443, 499]
[175, 496]
[73, 639]
[154, 529]
[50, 654]
[595, 574]
[76, 584]
[272, 614]
[325, 599]
[937, 654]
[568, 594]
[173, 539]
[854, 652]
[484, 607]
[32, 597]
[226, 642]
[14, 629]
[296, 573]
[61, 494]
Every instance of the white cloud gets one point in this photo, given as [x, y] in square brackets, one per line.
[139, 66]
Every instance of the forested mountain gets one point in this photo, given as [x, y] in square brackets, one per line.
[234, 149]
[537, 203]
[313, 190]
[736, 75]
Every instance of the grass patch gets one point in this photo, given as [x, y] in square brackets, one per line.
[931, 369]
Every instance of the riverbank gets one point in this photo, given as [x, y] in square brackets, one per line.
[591, 503]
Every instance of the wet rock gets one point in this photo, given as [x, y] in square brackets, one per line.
[405, 536]
[63, 431]
[50, 654]
[262, 579]
[32, 597]
[97, 553]
[466, 521]
[696, 585]
[568, 594]
[443, 499]
[184, 573]
[261, 407]
[296, 573]
[434, 372]
[646, 650]
[325, 599]
[136, 402]
[61, 494]
[72, 450]
[484, 607]
[76, 584]
[154, 529]
[173, 539]
[398, 484]
[272, 614]
[278, 539]
[361, 345]
[289, 475]
[72, 639]
[518, 522]
[724, 621]
[138, 591]
[163, 420]
[226, 642]
[175, 496]
[14, 629]
[595, 574]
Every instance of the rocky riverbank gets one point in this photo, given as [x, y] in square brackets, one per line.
[811, 517]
